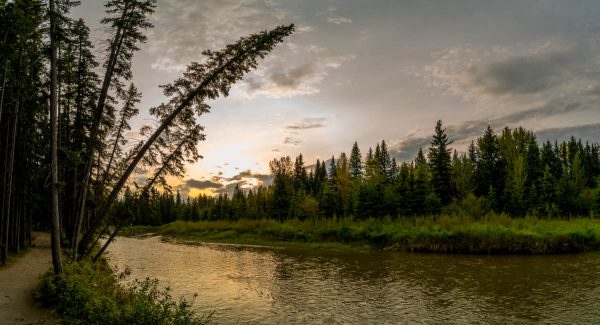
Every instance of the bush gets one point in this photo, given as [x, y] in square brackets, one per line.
[91, 293]
[470, 205]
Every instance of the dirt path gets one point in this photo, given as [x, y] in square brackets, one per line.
[17, 282]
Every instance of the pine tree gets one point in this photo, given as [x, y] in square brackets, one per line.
[440, 163]
[385, 162]
[281, 188]
[489, 170]
[421, 184]
[356, 167]
[300, 176]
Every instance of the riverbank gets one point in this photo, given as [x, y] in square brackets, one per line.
[496, 234]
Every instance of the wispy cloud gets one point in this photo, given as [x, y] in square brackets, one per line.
[309, 123]
[550, 69]
[586, 132]
[292, 141]
[332, 16]
[202, 184]
[248, 174]
[183, 28]
[275, 80]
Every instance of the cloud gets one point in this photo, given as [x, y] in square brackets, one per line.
[331, 16]
[309, 123]
[263, 178]
[245, 179]
[205, 184]
[292, 78]
[189, 184]
[292, 141]
[339, 20]
[586, 132]
[549, 69]
[406, 149]
[183, 28]
[221, 185]
[275, 80]
[524, 74]
[167, 65]
[304, 29]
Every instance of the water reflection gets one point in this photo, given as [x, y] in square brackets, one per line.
[294, 286]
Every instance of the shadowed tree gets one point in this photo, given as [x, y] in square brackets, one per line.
[182, 149]
[440, 163]
[489, 169]
[127, 19]
[356, 167]
[188, 96]
[55, 223]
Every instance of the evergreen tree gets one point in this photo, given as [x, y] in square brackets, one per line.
[385, 162]
[489, 169]
[282, 192]
[356, 167]
[420, 185]
[300, 176]
[440, 163]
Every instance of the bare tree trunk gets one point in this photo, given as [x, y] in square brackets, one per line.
[114, 150]
[11, 166]
[5, 214]
[97, 118]
[55, 222]
[3, 87]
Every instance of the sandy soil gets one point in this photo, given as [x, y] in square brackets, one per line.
[17, 282]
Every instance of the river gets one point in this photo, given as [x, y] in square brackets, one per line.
[260, 285]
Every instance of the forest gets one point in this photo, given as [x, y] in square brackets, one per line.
[507, 173]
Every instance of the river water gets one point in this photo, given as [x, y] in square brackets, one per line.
[259, 285]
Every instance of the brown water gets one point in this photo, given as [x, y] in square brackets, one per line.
[252, 285]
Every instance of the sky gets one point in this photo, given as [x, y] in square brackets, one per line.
[374, 70]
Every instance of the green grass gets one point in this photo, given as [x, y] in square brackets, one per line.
[91, 293]
[497, 234]
[138, 230]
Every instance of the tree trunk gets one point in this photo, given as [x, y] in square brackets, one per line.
[55, 222]
[97, 119]
[3, 87]
[11, 168]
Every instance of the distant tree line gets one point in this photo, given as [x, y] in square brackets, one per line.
[507, 173]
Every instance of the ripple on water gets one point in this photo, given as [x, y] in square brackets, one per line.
[258, 285]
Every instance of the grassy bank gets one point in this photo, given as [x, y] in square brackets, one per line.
[491, 235]
[91, 293]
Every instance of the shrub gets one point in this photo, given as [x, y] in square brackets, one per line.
[91, 293]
